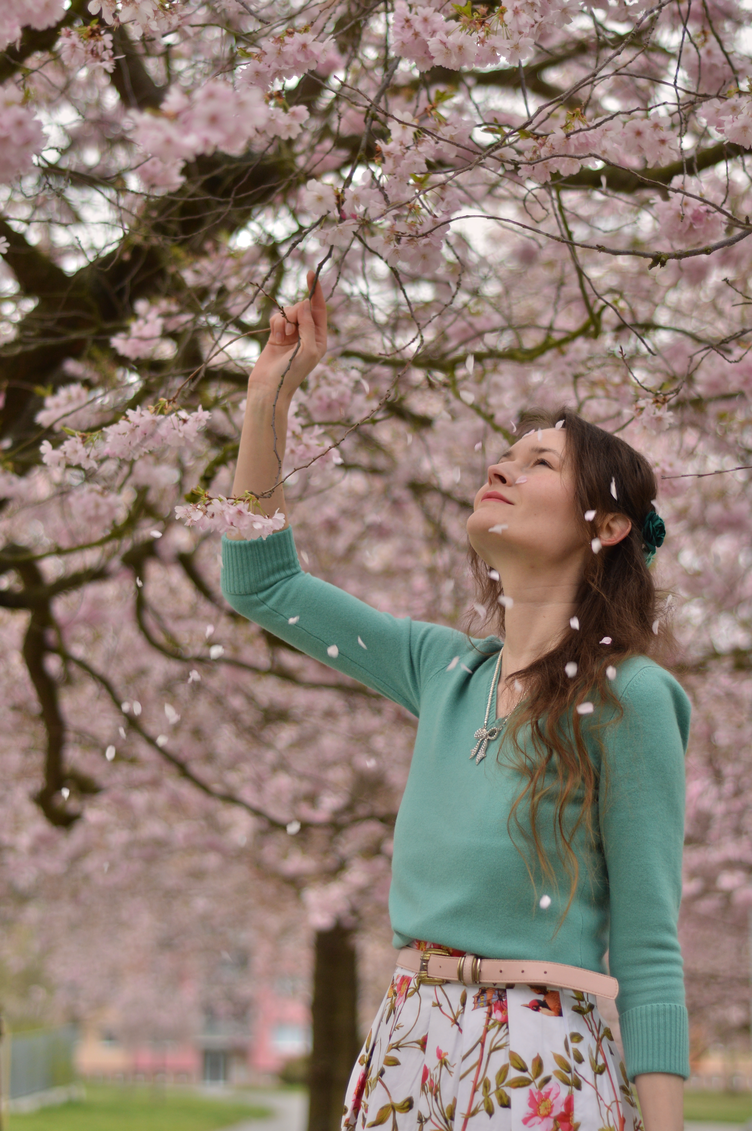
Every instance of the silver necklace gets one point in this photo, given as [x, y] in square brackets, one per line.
[486, 734]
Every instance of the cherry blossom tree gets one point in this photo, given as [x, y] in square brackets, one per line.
[540, 202]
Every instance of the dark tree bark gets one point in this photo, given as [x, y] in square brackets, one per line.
[335, 1026]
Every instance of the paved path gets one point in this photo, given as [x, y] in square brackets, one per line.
[290, 1112]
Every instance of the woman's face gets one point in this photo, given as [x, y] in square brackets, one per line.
[526, 507]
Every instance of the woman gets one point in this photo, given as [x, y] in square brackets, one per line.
[542, 821]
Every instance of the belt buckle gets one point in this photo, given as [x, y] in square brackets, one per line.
[425, 956]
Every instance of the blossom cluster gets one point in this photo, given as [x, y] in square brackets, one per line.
[145, 337]
[138, 432]
[214, 116]
[288, 56]
[15, 15]
[21, 134]
[88, 46]
[225, 516]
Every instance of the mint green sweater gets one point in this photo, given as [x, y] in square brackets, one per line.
[457, 878]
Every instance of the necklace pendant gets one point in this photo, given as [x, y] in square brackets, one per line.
[484, 735]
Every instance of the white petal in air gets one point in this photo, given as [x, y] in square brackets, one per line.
[139, 583]
[121, 732]
[110, 753]
[512, 426]
[332, 651]
[517, 686]
[585, 708]
[161, 740]
[498, 529]
[136, 707]
[540, 436]
[470, 363]
[361, 643]
[613, 488]
[611, 671]
[293, 620]
[216, 651]
[571, 669]
[559, 424]
[478, 446]
[589, 516]
[453, 664]
[194, 676]
[656, 626]
[493, 574]
[293, 827]
[574, 623]
[65, 792]
[209, 631]
[522, 479]
[467, 396]
[545, 900]
[507, 602]
[605, 640]
[155, 533]
[596, 545]
[466, 668]
[125, 707]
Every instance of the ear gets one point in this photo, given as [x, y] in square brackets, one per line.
[613, 528]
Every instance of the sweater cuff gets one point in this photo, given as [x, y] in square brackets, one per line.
[250, 566]
[656, 1039]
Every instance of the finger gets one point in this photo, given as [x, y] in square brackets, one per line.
[291, 321]
[277, 329]
[318, 308]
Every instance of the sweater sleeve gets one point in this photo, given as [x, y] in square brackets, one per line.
[642, 826]
[263, 580]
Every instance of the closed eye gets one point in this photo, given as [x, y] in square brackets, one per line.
[544, 462]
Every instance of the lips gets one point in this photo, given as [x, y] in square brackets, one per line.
[498, 496]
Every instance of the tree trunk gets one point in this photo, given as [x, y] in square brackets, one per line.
[335, 1027]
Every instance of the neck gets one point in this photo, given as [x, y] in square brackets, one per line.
[544, 600]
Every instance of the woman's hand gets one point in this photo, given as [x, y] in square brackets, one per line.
[302, 325]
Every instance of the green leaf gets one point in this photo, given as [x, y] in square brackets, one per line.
[404, 1105]
[600, 1069]
[391, 1061]
[563, 1076]
[608, 1034]
[502, 1074]
[381, 1116]
[488, 1105]
[577, 1056]
[485, 1086]
[519, 1082]
[537, 1068]
[575, 1038]
[503, 1098]
[517, 1062]
[577, 1083]
[562, 1062]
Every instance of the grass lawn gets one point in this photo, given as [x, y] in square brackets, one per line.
[731, 1107]
[113, 1108]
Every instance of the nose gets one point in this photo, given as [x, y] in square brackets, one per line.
[500, 472]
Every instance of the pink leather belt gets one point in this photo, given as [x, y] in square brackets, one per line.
[470, 969]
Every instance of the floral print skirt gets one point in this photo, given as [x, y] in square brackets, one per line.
[446, 1057]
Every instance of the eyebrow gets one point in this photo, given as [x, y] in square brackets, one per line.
[536, 451]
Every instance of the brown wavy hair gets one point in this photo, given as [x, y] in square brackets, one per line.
[617, 598]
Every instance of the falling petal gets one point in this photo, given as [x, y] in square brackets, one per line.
[161, 740]
[136, 707]
[139, 583]
[522, 479]
[293, 620]
[470, 363]
[332, 651]
[304, 556]
[540, 436]
[293, 827]
[480, 610]
[453, 664]
[121, 732]
[467, 396]
[517, 686]
[559, 424]
[611, 671]
[216, 651]
[209, 631]
[596, 545]
[478, 446]
[361, 643]
[493, 574]
[571, 669]
[110, 753]
[155, 533]
[545, 901]
[507, 602]
[605, 640]
[65, 792]
[589, 516]
[613, 488]
[585, 708]
[466, 668]
[194, 676]
[574, 623]
[125, 707]
[656, 626]
[513, 426]
[498, 529]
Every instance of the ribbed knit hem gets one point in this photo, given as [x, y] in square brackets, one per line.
[248, 567]
[656, 1039]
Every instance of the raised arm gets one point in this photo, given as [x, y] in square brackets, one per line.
[297, 340]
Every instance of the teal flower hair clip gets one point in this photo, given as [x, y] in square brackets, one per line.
[653, 534]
